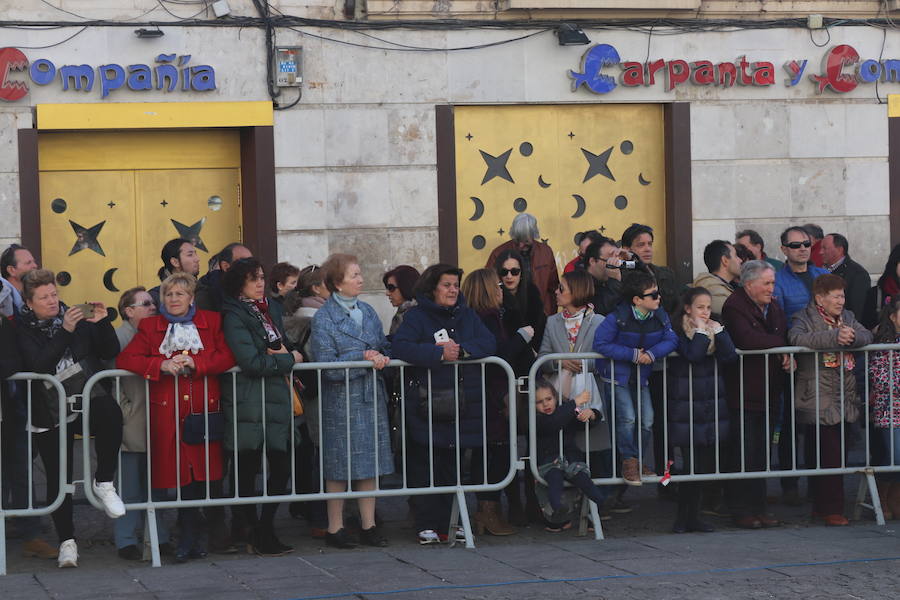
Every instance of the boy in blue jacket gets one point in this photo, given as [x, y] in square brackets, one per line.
[631, 338]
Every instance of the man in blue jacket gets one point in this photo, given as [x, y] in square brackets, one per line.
[793, 290]
[632, 337]
[793, 283]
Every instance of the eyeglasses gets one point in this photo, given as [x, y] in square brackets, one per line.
[797, 245]
[654, 295]
[145, 304]
[514, 272]
[390, 287]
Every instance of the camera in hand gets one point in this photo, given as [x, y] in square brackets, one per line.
[274, 344]
[626, 264]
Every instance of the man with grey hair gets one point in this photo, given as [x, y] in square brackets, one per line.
[754, 322]
[539, 260]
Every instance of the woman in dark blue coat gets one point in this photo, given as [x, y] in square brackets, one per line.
[440, 329]
[696, 393]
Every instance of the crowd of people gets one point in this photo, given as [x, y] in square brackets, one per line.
[670, 394]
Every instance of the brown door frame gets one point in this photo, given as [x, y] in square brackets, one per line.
[257, 192]
[894, 178]
[679, 219]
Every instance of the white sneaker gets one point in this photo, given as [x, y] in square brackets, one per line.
[112, 504]
[68, 554]
[429, 536]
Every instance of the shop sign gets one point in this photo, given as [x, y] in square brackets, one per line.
[170, 73]
[842, 71]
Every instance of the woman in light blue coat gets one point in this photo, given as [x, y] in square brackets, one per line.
[354, 417]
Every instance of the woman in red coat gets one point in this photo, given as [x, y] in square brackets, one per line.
[185, 345]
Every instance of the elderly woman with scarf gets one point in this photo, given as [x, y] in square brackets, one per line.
[260, 405]
[826, 397]
[355, 437]
[59, 340]
[179, 352]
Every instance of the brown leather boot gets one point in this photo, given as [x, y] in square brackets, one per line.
[489, 518]
[893, 500]
[884, 488]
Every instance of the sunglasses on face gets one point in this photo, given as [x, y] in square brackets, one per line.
[514, 272]
[654, 295]
[390, 287]
[798, 245]
[145, 304]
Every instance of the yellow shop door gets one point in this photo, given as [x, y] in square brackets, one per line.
[574, 167]
[109, 201]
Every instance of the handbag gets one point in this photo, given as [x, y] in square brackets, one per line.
[194, 431]
[445, 404]
[296, 387]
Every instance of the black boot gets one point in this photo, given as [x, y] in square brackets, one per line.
[266, 543]
[681, 520]
[694, 523]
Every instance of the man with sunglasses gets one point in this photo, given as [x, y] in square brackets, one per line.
[793, 283]
[793, 290]
[15, 262]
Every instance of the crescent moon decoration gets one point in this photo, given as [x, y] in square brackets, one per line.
[479, 208]
[108, 279]
[641, 180]
[581, 206]
[543, 183]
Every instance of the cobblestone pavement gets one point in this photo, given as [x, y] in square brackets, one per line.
[639, 559]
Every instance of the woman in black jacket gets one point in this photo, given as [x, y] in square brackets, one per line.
[61, 341]
[522, 307]
[697, 395]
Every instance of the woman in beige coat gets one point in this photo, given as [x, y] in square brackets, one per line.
[825, 325]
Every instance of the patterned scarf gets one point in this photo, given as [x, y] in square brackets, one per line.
[260, 310]
[50, 327]
[182, 334]
[832, 360]
[573, 325]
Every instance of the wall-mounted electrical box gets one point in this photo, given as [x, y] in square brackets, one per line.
[288, 66]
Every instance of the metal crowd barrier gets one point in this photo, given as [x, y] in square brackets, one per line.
[30, 510]
[724, 472]
[459, 516]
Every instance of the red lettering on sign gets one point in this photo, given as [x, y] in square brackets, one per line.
[632, 74]
[12, 59]
[836, 59]
[703, 73]
[727, 74]
[678, 72]
[763, 73]
[652, 68]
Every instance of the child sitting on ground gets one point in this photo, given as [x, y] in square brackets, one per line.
[566, 463]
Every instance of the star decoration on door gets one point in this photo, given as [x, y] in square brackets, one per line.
[496, 166]
[597, 164]
[191, 232]
[86, 238]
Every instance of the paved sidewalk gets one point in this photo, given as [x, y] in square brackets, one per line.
[794, 561]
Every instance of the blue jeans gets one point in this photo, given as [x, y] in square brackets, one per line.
[134, 489]
[627, 425]
[886, 433]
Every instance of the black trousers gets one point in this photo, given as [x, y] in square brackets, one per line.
[432, 511]
[279, 470]
[106, 427]
[747, 497]
[497, 466]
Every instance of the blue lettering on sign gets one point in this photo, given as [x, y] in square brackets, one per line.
[601, 55]
[111, 77]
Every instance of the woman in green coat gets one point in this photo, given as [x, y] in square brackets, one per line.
[254, 331]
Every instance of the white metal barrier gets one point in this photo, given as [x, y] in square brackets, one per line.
[866, 468]
[458, 489]
[31, 510]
